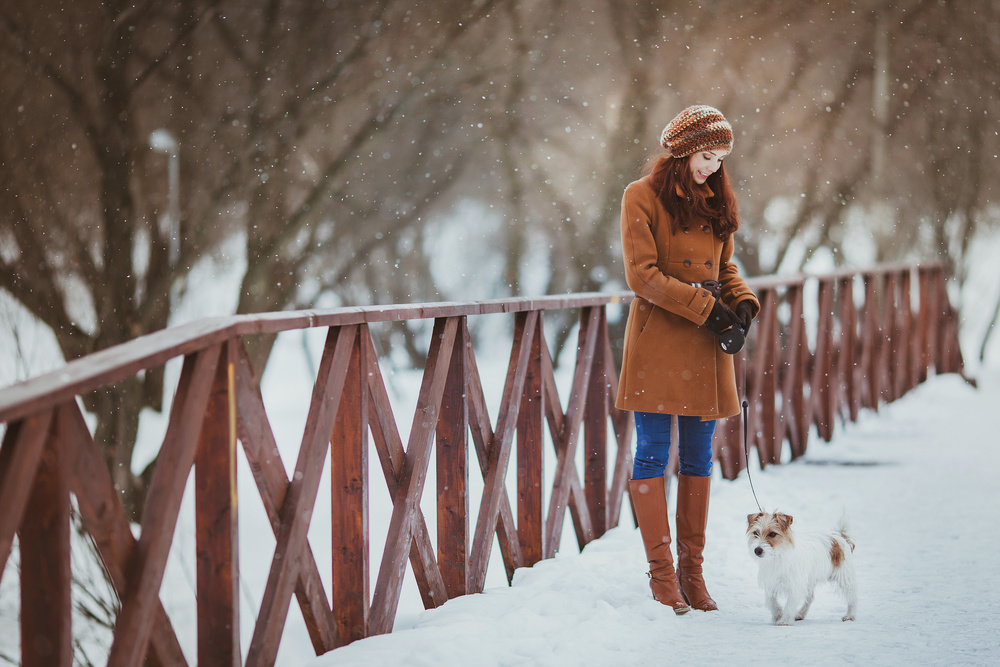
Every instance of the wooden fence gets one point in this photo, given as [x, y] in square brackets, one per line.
[860, 339]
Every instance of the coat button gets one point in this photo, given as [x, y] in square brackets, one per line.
[687, 262]
[708, 263]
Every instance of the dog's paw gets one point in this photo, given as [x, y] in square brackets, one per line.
[783, 621]
[849, 617]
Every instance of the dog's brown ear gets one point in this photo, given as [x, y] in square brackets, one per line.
[784, 519]
[753, 517]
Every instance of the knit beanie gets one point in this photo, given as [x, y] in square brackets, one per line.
[697, 128]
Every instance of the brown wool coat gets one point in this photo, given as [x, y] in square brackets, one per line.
[671, 363]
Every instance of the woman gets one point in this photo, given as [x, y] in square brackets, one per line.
[677, 238]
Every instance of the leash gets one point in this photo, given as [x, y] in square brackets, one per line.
[746, 428]
[732, 345]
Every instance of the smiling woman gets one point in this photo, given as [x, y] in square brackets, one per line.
[705, 163]
[677, 238]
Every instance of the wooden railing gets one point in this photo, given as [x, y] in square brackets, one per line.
[877, 334]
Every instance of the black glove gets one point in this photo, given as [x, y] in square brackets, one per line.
[721, 318]
[744, 311]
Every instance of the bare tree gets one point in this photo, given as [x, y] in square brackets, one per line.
[326, 135]
[291, 123]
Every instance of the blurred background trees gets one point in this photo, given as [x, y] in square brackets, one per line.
[389, 151]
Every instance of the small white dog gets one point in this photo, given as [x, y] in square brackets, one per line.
[792, 565]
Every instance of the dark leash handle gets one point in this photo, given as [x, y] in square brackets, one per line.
[731, 340]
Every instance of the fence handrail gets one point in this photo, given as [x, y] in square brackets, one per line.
[873, 343]
[113, 364]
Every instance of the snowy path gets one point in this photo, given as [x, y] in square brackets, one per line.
[919, 484]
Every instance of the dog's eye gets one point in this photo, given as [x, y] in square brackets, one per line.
[772, 534]
[756, 533]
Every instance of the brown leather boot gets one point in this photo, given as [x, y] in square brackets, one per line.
[692, 517]
[649, 499]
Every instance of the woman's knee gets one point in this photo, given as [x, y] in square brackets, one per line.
[695, 455]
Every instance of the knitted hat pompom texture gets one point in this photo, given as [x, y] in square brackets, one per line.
[697, 128]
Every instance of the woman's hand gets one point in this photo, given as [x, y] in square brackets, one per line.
[721, 318]
[744, 311]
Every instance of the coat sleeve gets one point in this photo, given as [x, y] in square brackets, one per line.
[734, 287]
[642, 263]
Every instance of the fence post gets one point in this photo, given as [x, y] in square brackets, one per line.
[216, 534]
[46, 631]
[349, 498]
[452, 461]
[847, 357]
[531, 455]
[596, 432]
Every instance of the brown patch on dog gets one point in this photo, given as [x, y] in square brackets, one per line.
[753, 517]
[836, 553]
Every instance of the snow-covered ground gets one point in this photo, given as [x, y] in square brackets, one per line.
[918, 482]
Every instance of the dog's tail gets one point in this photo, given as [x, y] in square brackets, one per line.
[843, 528]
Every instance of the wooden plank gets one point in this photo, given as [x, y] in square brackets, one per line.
[553, 406]
[595, 433]
[23, 444]
[113, 364]
[349, 500]
[822, 375]
[43, 538]
[766, 383]
[925, 324]
[530, 455]
[389, 447]
[297, 509]
[108, 366]
[412, 478]
[621, 423]
[264, 461]
[104, 517]
[869, 342]
[483, 438]
[729, 433]
[145, 574]
[847, 356]
[913, 327]
[452, 455]
[525, 326]
[566, 489]
[793, 387]
[216, 524]
[889, 341]
[936, 298]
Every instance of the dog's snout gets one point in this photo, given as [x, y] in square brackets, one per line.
[759, 551]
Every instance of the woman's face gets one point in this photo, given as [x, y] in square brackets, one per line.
[705, 163]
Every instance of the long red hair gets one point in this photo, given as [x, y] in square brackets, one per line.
[669, 174]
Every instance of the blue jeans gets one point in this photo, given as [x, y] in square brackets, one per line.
[652, 431]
